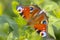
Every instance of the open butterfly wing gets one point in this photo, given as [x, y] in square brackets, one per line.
[37, 17]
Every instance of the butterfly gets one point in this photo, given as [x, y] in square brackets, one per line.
[35, 16]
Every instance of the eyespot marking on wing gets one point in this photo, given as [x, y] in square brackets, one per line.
[19, 9]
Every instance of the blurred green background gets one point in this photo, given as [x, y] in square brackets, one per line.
[12, 25]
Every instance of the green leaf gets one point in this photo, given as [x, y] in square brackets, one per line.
[14, 6]
[51, 31]
[52, 20]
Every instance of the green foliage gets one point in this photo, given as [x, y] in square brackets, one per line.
[14, 5]
[38, 2]
[13, 26]
[1, 9]
[57, 12]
